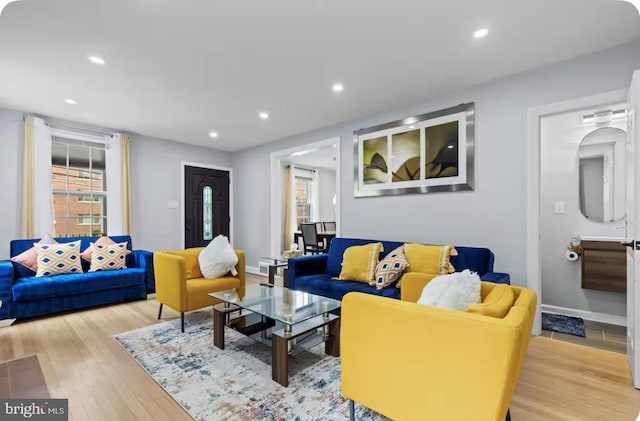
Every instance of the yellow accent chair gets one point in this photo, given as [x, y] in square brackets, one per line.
[181, 286]
[408, 361]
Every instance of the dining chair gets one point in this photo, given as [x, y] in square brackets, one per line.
[310, 239]
[319, 227]
[329, 226]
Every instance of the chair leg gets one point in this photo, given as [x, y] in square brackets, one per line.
[352, 410]
[508, 417]
[182, 321]
[160, 312]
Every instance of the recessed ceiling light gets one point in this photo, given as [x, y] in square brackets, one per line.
[70, 101]
[264, 115]
[97, 60]
[412, 127]
[213, 135]
[481, 33]
[338, 87]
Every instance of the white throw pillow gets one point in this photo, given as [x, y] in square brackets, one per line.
[218, 258]
[454, 291]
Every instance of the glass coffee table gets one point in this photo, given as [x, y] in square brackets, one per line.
[289, 321]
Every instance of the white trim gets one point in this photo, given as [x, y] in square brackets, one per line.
[586, 315]
[253, 270]
[6, 322]
[276, 189]
[210, 167]
[534, 280]
[151, 296]
[79, 135]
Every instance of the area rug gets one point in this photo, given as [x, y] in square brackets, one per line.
[563, 324]
[235, 383]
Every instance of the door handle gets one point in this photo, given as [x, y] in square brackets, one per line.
[187, 224]
[633, 244]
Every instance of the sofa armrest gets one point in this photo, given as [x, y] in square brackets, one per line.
[440, 358]
[170, 272]
[496, 277]
[144, 259]
[313, 264]
[6, 282]
[242, 271]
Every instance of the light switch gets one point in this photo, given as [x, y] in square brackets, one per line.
[558, 207]
[173, 204]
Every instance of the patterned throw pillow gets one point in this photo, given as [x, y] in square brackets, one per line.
[390, 268]
[56, 259]
[108, 256]
[86, 255]
[29, 258]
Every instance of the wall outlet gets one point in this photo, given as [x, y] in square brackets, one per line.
[558, 207]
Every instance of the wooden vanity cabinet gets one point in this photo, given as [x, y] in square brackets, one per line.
[604, 266]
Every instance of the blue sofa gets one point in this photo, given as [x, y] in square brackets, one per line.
[25, 295]
[314, 273]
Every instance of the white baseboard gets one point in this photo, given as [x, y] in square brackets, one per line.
[151, 296]
[586, 315]
[6, 322]
[253, 270]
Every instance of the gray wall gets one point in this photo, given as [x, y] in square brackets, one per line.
[327, 183]
[155, 179]
[11, 135]
[494, 215]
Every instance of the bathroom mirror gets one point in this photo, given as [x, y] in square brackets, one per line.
[602, 176]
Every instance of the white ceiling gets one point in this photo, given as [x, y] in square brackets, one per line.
[314, 158]
[177, 69]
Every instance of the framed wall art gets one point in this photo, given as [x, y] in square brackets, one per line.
[432, 152]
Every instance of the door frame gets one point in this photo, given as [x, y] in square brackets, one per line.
[277, 178]
[184, 164]
[534, 262]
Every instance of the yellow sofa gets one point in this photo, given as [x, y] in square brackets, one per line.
[181, 286]
[413, 362]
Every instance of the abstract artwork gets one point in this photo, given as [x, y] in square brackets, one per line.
[432, 152]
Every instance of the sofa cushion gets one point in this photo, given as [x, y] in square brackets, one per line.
[390, 269]
[336, 289]
[32, 288]
[29, 258]
[359, 262]
[340, 244]
[427, 258]
[57, 259]
[108, 256]
[475, 259]
[496, 304]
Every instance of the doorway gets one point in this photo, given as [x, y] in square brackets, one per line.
[557, 142]
[319, 161]
[206, 204]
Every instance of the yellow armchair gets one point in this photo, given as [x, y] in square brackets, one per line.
[413, 362]
[181, 286]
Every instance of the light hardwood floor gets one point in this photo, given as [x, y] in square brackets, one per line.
[80, 361]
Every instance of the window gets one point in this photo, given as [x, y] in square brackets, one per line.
[207, 213]
[78, 187]
[303, 199]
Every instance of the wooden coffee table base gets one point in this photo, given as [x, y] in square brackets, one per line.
[280, 339]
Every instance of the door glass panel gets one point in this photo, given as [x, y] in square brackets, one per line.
[207, 213]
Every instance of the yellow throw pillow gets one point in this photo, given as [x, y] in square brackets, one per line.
[359, 262]
[497, 303]
[427, 258]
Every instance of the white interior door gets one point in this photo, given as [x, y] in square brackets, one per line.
[633, 229]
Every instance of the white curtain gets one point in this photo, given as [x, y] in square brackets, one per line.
[40, 171]
[117, 174]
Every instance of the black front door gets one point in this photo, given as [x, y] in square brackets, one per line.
[206, 210]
